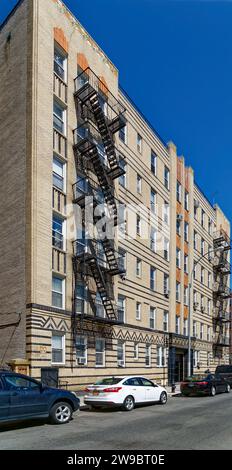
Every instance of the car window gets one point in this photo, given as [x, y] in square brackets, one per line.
[109, 381]
[14, 381]
[132, 381]
[147, 383]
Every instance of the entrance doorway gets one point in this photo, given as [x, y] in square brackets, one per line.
[180, 370]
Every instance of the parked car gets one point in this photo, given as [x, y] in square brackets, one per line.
[124, 392]
[23, 398]
[225, 371]
[209, 384]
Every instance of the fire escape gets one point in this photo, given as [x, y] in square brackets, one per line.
[221, 291]
[95, 258]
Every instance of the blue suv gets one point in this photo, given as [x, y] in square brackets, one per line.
[22, 398]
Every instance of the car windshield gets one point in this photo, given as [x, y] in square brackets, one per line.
[196, 378]
[109, 381]
[224, 369]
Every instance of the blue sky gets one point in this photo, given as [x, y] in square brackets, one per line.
[175, 61]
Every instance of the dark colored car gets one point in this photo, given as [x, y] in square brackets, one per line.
[208, 384]
[23, 398]
[225, 371]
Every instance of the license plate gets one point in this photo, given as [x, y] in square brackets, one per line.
[95, 392]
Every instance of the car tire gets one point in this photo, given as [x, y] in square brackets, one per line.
[61, 413]
[227, 388]
[213, 391]
[129, 403]
[163, 398]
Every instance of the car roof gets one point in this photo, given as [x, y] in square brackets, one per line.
[123, 377]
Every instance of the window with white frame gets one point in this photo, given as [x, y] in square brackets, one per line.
[185, 329]
[122, 259]
[138, 225]
[58, 348]
[178, 191]
[152, 278]
[148, 355]
[186, 295]
[121, 308]
[166, 284]
[139, 184]
[186, 231]
[201, 331]
[202, 218]
[138, 267]
[139, 143]
[186, 200]
[166, 213]
[122, 178]
[122, 217]
[100, 352]
[177, 324]
[59, 117]
[136, 351]
[123, 134]
[59, 170]
[153, 238]
[138, 310]
[166, 249]
[195, 328]
[209, 306]
[209, 280]
[60, 63]
[80, 297]
[166, 177]
[121, 353]
[194, 270]
[208, 333]
[202, 302]
[195, 240]
[58, 292]
[186, 264]
[177, 291]
[202, 275]
[161, 356]
[81, 349]
[195, 358]
[178, 258]
[208, 359]
[100, 310]
[178, 226]
[194, 296]
[165, 320]
[153, 163]
[58, 232]
[202, 246]
[153, 201]
[152, 323]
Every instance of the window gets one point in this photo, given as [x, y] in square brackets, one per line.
[208, 359]
[186, 231]
[202, 303]
[153, 237]
[209, 306]
[58, 225]
[123, 134]
[121, 353]
[166, 212]
[153, 201]
[210, 253]
[59, 174]
[58, 286]
[186, 200]
[80, 297]
[122, 178]
[178, 191]
[210, 226]
[208, 333]
[122, 259]
[100, 310]
[60, 64]
[152, 278]
[166, 249]
[58, 348]
[152, 318]
[121, 308]
[202, 246]
[177, 325]
[148, 355]
[138, 267]
[194, 328]
[138, 225]
[202, 217]
[196, 205]
[139, 184]
[136, 351]
[138, 311]
[178, 226]
[166, 178]
[100, 352]
[122, 217]
[177, 291]
[209, 280]
[165, 321]
[201, 331]
[153, 163]
[185, 330]
[194, 296]
[81, 349]
[202, 275]
[194, 270]
[195, 358]
[161, 356]
[186, 295]
[139, 143]
[166, 284]
[59, 118]
[178, 258]
[195, 240]
[186, 264]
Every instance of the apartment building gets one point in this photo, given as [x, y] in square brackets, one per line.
[100, 237]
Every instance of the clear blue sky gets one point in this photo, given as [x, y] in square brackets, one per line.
[175, 61]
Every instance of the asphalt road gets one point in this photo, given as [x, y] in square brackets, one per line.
[184, 423]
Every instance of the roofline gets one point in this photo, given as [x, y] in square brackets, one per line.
[12, 12]
[203, 194]
[142, 116]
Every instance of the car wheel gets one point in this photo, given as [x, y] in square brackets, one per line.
[227, 388]
[129, 403]
[163, 398]
[213, 391]
[61, 413]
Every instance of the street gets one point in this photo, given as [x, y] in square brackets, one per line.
[184, 423]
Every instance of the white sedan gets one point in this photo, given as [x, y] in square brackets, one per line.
[124, 392]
